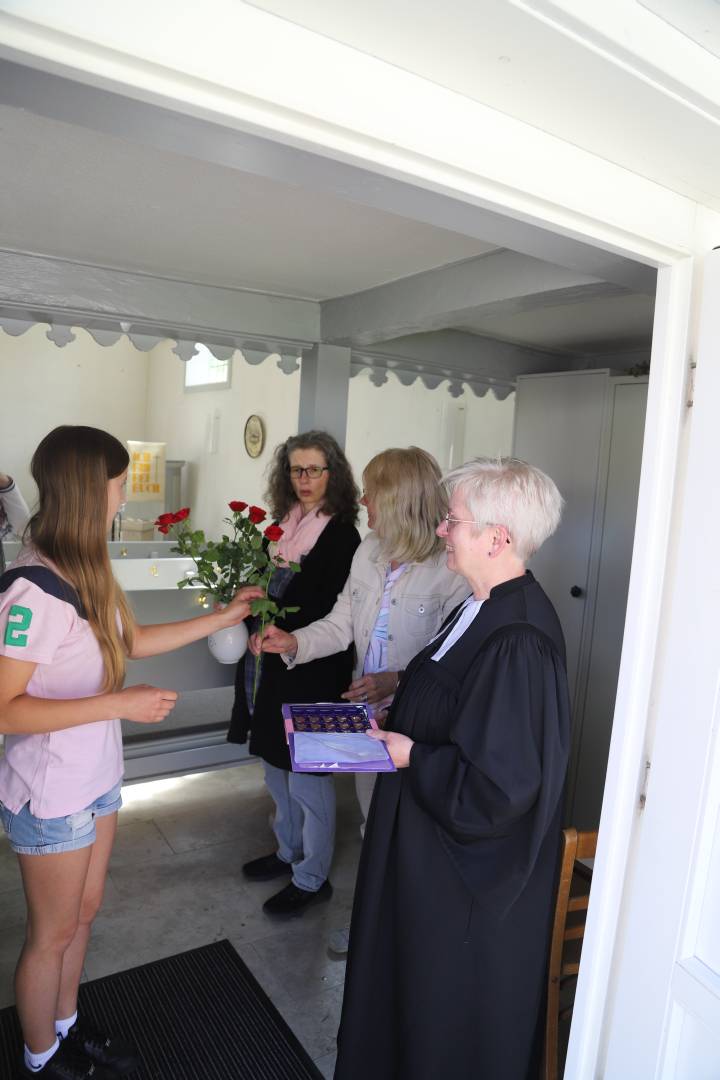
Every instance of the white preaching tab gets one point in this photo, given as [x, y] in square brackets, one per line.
[464, 618]
[312, 748]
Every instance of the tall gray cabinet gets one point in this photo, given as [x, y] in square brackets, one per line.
[585, 429]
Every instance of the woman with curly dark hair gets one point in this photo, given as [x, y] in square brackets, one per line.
[314, 500]
[339, 494]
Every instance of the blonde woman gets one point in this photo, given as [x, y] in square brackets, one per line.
[399, 591]
[65, 633]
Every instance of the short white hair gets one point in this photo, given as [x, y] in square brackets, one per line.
[509, 492]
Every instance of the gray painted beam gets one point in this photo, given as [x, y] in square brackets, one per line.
[484, 357]
[70, 293]
[502, 282]
[74, 102]
[324, 387]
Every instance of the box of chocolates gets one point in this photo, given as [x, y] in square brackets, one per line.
[332, 737]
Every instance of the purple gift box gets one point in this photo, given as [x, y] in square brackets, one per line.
[332, 737]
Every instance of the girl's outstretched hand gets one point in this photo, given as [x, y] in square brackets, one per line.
[146, 704]
[239, 607]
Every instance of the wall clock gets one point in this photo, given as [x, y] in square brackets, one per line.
[254, 436]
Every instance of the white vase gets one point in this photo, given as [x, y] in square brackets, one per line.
[228, 645]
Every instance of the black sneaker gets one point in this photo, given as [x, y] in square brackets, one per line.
[266, 867]
[67, 1063]
[291, 901]
[107, 1051]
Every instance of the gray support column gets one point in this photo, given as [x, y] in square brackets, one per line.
[324, 382]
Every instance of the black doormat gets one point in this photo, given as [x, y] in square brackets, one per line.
[200, 1015]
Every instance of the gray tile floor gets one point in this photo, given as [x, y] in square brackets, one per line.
[175, 883]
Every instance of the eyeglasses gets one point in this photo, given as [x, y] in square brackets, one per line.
[313, 472]
[450, 521]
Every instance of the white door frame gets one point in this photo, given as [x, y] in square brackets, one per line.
[506, 169]
[666, 1008]
[629, 747]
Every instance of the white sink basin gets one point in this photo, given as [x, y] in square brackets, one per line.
[141, 549]
[136, 570]
[135, 574]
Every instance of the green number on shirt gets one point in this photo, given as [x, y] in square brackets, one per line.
[15, 632]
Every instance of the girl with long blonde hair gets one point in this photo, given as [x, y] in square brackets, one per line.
[66, 631]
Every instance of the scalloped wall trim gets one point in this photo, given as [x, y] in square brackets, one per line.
[289, 353]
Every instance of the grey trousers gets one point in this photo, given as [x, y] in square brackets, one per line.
[304, 824]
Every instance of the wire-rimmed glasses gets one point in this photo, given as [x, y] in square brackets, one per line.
[450, 521]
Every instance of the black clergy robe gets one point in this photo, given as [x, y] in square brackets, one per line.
[453, 905]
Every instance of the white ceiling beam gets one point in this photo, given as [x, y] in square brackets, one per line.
[502, 282]
[88, 106]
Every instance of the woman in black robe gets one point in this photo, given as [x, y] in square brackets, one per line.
[452, 914]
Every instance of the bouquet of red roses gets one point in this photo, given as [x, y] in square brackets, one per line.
[243, 558]
[222, 566]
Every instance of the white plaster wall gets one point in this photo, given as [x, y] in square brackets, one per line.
[397, 415]
[378, 417]
[489, 425]
[183, 420]
[42, 386]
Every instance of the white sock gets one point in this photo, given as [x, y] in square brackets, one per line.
[63, 1026]
[35, 1062]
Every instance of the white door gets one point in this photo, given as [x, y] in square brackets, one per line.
[664, 1018]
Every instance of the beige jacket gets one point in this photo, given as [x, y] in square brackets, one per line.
[420, 601]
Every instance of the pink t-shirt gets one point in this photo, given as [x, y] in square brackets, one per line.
[63, 771]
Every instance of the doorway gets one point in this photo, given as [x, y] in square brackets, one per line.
[661, 442]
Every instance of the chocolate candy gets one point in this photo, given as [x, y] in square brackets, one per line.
[333, 719]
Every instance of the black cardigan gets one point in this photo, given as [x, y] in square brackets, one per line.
[315, 589]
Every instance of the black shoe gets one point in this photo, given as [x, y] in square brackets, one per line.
[107, 1051]
[266, 867]
[292, 901]
[67, 1063]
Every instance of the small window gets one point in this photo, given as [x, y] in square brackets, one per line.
[205, 372]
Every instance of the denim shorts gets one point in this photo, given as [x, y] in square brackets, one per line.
[29, 835]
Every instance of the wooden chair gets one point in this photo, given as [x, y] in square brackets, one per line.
[573, 895]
